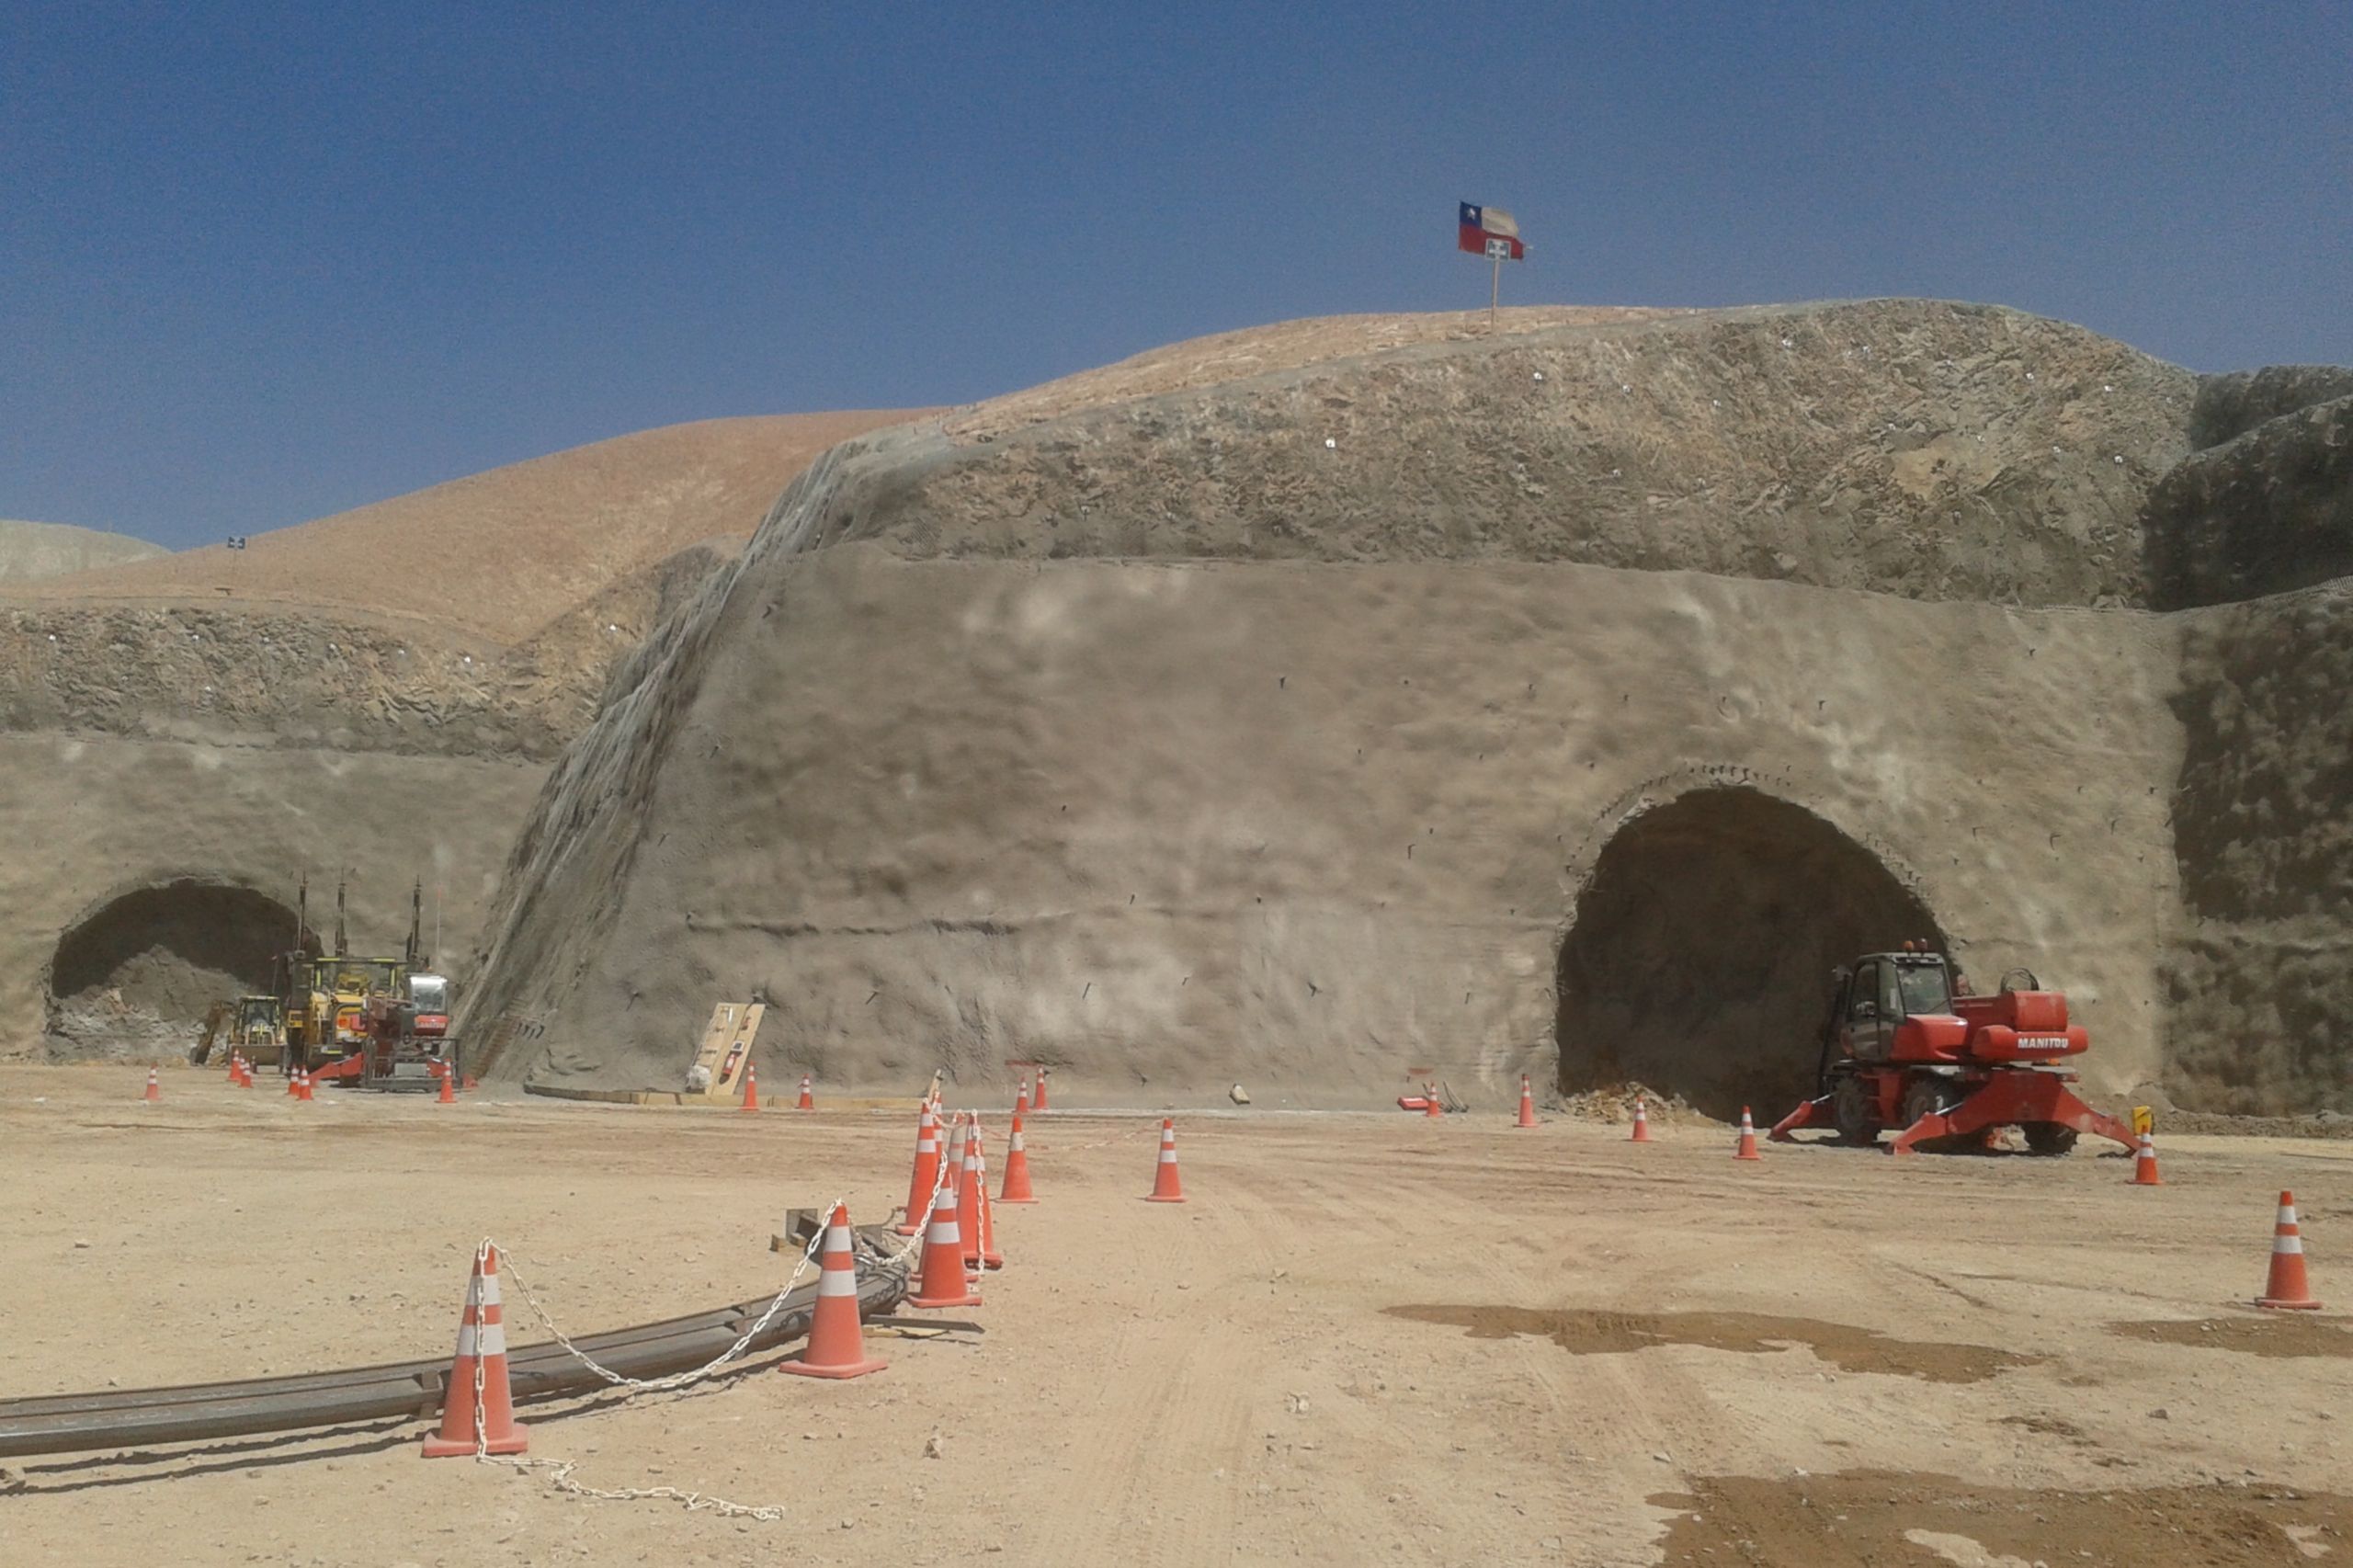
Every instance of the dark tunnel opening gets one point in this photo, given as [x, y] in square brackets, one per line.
[1699, 961]
[139, 974]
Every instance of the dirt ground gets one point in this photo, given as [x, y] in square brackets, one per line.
[1365, 1339]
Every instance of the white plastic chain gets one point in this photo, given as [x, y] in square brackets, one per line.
[561, 1471]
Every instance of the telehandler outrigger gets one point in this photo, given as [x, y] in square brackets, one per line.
[1901, 1050]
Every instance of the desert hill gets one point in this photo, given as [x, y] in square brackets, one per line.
[1297, 706]
[498, 554]
[1308, 706]
[33, 550]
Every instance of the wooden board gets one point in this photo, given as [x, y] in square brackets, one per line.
[726, 1049]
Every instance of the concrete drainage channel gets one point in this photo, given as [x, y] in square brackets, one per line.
[132, 1418]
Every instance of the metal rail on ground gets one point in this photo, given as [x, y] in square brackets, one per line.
[132, 1418]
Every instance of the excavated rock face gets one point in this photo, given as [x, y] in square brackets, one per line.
[377, 694]
[1280, 729]
[2228, 406]
[2260, 528]
[1926, 450]
[2265, 512]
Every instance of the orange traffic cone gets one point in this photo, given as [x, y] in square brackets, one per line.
[1016, 1168]
[155, 1088]
[751, 1087]
[926, 1172]
[806, 1103]
[305, 1093]
[2288, 1287]
[478, 1403]
[943, 1283]
[1037, 1101]
[449, 1095]
[1642, 1123]
[1747, 1149]
[972, 1205]
[2145, 1164]
[1022, 1100]
[837, 1342]
[1165, 1187]
[1430, 1106]
[1527, 1104]
[294, 1084]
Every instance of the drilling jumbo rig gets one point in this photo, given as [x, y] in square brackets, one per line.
[359, 1018]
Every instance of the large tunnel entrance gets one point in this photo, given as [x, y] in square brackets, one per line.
[136, 976]
[1700, 960]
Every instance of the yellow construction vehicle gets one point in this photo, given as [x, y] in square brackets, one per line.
[254, 1028]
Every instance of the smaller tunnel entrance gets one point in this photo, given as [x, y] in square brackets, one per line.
[1700, 960]
[137, 976]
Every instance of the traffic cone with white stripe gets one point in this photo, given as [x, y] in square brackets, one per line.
[1016, 1168]
[302, 1090]
[1747, 1149]
[1527, 1104]
[2145, 1164]
[751, 1087]
[1165, 1186]
[1642, 1123]
[972, 1205]
[1430, 1108]
[1038, 1100]
[806, 1103]
[943, 1283]
[448, 1091]
[2287, 1287]
[926, 1172]
[478, 1395]
[1022, 1100]
[837, 1341]
[154, 1091]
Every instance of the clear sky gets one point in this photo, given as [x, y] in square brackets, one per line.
[262, 262]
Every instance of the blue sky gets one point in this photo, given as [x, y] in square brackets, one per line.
[263, 262]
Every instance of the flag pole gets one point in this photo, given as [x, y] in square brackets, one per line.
[1494, 288]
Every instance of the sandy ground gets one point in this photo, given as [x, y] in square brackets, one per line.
[1365, 1339]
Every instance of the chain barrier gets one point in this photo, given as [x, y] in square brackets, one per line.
[560, 1472]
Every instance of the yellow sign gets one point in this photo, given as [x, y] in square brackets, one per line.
[2145, 1121]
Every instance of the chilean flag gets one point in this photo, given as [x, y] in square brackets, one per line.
[1479, 224]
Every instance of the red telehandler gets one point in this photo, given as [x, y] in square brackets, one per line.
[1900, 1050]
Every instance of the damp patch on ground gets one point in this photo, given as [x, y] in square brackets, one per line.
[2295, 1333]
[1590, 1332]
[1881, 1519]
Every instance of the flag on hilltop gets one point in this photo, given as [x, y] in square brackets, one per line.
[1478, 225]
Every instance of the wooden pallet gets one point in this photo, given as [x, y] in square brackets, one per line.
[726, 1049]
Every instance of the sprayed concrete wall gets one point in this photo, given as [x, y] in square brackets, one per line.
[93, 820]
[1171, 826]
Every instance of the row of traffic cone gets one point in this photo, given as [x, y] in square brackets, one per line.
[752, 1090]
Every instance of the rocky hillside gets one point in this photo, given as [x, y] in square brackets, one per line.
[1272, 726]
[1932, 452]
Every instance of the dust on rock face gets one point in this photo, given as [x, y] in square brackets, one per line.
[1868, 1517]
[1594, 1332]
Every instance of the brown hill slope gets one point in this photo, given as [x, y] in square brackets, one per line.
[501, 553]
[29, 550]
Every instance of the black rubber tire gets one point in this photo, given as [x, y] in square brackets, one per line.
[1851, 1112]
[2048, 1138]
[1924, 1093]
